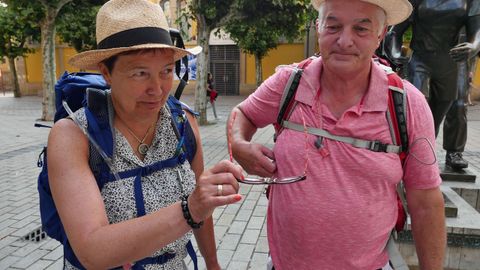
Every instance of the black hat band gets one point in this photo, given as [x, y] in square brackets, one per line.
[136, 36]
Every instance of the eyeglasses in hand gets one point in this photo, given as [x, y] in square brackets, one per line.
[269, 180]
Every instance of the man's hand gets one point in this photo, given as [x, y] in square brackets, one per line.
[255, 158]
[462, 52]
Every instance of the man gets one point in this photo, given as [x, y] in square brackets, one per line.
[341, 216]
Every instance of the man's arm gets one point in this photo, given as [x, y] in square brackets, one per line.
[426, 209]
[254, 158]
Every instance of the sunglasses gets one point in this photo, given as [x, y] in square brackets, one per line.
[269, 180]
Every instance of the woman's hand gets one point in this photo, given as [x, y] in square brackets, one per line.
[215, 187]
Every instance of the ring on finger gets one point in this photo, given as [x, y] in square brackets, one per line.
[219, 190]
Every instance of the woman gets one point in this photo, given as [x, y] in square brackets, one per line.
[105, 228]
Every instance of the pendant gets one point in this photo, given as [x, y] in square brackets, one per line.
[142, 149]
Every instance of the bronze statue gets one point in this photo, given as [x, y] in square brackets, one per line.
[438, 65]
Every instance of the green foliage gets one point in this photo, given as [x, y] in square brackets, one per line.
[76, 24]
[257, 26]
[209, 13]
[407, 36]
[16, 28]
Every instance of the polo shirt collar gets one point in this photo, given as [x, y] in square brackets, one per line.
[375, 99]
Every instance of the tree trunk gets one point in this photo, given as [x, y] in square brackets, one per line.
[47, 27]
[13, 69]
[258, 68]
[48, 64]
[203, 34]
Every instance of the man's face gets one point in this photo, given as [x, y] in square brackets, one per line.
[141, 82]
[348, 34]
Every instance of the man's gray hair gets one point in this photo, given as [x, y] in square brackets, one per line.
[381, 16]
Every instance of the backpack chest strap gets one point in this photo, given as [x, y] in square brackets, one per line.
[375, 146]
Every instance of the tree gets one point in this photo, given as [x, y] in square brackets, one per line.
[16, 27]
[47, 26]
[75, 24]
[48, 11]
[257, 26]
[209, 14]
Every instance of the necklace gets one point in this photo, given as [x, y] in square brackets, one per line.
[142, 147]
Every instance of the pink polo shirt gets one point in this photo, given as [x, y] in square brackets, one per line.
[341, 216]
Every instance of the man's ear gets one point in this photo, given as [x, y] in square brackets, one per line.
[105, 73]
[383, 33]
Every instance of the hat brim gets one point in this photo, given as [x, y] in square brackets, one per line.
[89, 60]
[396, 11]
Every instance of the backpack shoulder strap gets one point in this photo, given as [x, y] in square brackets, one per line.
[182, 127]
[287, 102]
[397, 120]
[397, 113]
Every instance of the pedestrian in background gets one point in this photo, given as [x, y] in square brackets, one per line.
[211, 93]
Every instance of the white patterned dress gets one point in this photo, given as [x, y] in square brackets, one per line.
[160, 189]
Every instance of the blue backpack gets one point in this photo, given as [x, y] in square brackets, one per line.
[87, 90]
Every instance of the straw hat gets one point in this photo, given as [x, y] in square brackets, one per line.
[126, 25]
[397, 10]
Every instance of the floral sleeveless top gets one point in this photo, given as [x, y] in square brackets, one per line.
[160, 189]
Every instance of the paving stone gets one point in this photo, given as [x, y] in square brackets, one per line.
[237, 265]
[7, 251]
[6, 262]
[225, 219]
[253, 195]
[262, 245]
[256, 222]
[30, 259]
[259, 261]
[264, 231]
[26, 250]
[40, 265]
[54, 254]
[49, 244]
[244, 215]
[220, 232]
[248, 205]
[224, 257]
[250, 237]
[237, 227]
[232, 209]
[243, 253]
[229, 242]
[7, 241]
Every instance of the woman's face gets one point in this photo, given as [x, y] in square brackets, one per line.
[141, 81]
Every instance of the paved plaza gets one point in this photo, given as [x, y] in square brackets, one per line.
[239, 228]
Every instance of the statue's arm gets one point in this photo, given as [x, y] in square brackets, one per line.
[466, 50]
[393, 42]
[473, 33]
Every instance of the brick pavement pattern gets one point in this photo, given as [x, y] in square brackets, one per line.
[240, 229]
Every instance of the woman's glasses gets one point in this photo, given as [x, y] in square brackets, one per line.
[269, 180]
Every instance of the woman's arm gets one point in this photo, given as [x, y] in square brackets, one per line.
[205, 235]
[98, 244]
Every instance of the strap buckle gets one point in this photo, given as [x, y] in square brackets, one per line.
[377, 146]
